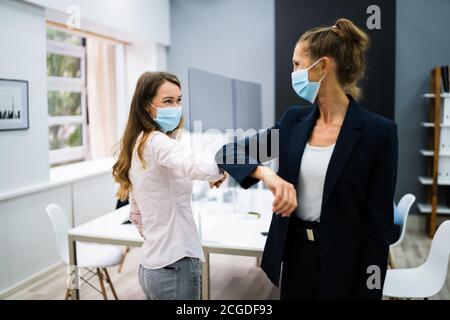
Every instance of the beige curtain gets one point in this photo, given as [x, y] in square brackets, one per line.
[102, 102]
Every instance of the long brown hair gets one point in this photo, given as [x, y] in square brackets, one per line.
[139, 121]
[347, 44]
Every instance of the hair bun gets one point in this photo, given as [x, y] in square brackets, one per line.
[344, 42]
[352, 34]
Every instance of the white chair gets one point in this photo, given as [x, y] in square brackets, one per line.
[89, 256]
[428, 279]
[403, 208]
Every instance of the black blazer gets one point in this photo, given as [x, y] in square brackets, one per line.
[357, 208]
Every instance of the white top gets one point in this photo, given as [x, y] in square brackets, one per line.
[313, 170]
[162, 192]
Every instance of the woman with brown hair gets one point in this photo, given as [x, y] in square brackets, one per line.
[156, 171]
[330, 234]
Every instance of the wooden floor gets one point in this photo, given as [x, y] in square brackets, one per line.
[232, 277]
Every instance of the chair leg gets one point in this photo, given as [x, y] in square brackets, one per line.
[102, 285]
[391, 259]
[108, 279]
[67, 294]
[127, 250]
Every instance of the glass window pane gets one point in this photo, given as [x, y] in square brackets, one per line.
[67, 135]
[61, 36]
[63, 66]
[63, 103]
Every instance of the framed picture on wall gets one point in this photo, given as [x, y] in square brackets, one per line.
[13, 105]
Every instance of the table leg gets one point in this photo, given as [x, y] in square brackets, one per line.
[205, 276]
[73, 270]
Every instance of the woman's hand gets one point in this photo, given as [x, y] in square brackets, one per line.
[218, 183]
[284, 192]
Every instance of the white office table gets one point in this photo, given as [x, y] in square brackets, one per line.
[230, 233]
[221, 231]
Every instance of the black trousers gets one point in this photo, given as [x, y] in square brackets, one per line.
[301, 274]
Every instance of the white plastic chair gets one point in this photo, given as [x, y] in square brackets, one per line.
[403, 208]
[426, 280]
[89, 256]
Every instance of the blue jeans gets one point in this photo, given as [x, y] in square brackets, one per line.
[178, 281]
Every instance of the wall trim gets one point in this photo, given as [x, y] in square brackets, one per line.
[65, 175]
[29, 282]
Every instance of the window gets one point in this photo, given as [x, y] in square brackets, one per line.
[66, 80]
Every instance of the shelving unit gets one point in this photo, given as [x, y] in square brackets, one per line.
[439, 120]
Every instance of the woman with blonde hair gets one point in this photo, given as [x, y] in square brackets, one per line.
[155, 171]
[333, 221]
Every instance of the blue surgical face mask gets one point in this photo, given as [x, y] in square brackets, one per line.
[168, 118]
[303, 87]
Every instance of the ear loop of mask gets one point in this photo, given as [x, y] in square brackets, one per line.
[326, 72]
[152, 105]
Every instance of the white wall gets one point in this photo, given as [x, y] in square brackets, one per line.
[24, 155]
[149, 19]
